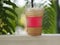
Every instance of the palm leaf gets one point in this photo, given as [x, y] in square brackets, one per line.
[49, 20]
[8, 18]
[10, 3]
[11, 10]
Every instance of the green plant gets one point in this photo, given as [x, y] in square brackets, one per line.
[8, 17]
[20, 12]
[50, 18]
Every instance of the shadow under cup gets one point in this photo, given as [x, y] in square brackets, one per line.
[34, 17]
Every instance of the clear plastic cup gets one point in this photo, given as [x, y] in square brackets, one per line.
[34, 18]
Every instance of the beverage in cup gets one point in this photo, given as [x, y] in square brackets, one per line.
[34, 18]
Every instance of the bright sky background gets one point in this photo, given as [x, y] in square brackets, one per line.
[21, 3]
[59, 2]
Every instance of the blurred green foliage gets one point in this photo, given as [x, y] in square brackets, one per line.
[20, 11]
[50, 18]
[8, 17]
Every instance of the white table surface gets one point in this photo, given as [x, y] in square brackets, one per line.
[44, 39]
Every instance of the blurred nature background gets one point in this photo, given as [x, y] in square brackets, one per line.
[12, 15]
